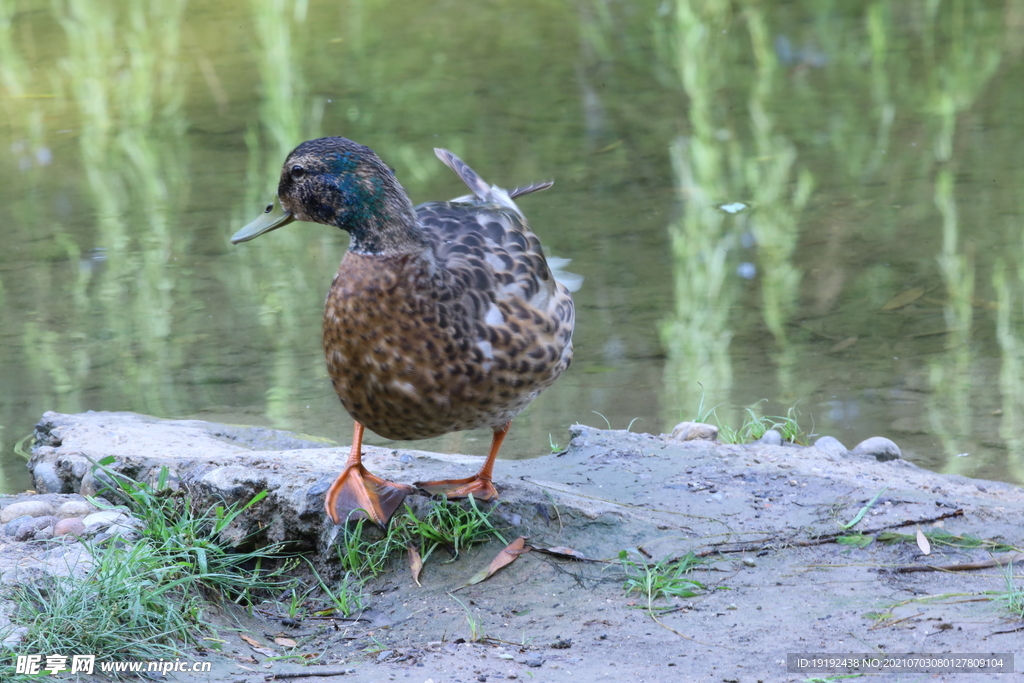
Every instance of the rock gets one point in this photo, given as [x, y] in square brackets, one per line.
[46, 479]
[13, 639]
[880, 447]
[771, 438]
[125, 531]
[32, 508]
[72, 526]
[75, 508]
[535, 663]
[43, 534]
[106, 517]
[24, 532]
[692, 431]
[830, 445]
[11, 528]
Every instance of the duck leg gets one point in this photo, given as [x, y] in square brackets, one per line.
[479, 484]
[357, 489]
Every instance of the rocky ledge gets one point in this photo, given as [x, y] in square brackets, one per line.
[768, 514]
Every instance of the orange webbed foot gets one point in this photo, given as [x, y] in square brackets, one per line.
[477, 486]
[357, 493]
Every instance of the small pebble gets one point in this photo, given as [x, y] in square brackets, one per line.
[75, 508]
[71, 526]
[830, 445]
[11, 528]
[691, 431]
[771, 438]
[105, 517]
[534, 663]
[880, 447]
[43, 534]
[46, 479]
[32, 508]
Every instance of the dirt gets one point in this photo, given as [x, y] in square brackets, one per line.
[764, 518]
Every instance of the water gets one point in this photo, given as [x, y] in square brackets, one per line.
[744, 187]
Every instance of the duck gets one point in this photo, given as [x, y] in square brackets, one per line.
[442, 317]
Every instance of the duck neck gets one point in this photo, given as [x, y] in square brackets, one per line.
[392, 230]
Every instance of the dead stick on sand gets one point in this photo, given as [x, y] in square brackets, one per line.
[822, 540]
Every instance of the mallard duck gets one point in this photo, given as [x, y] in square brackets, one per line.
[441, 318]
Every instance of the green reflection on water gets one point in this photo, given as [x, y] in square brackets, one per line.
[877, 145]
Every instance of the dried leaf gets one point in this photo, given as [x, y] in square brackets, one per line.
[922, 542]
[901, 300]
[249, 639]
[563, 552]
[507, 555]
[285, 642]
[415, 564]
[265, 651]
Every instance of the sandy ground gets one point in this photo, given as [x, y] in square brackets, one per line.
[775, 581]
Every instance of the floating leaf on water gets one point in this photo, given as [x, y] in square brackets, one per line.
[901, 300]
[507, 555]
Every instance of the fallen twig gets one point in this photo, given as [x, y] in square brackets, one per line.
[1007, 558]
[820, 540]
[308, 673]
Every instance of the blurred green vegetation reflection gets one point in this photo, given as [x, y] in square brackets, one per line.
[814, 202]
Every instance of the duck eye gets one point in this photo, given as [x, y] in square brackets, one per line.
[297, 172]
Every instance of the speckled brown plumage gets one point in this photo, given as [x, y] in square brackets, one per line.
[441, 318]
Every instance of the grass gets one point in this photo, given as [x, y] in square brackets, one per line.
[754, 425]
[664, 579]
[1014, 595]
[476, 628]
[143, 599]
[447, 525]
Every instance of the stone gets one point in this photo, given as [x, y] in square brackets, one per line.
[32, 508]
[105, 517]
[692, 431]
[13, 639]
[75, 508]
[880, 447]
[46, 478]
[11, 528]
[830, 445]
[72, 526]
[125, 531]
[43, 534]
[771, 438]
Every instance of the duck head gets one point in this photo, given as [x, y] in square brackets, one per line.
[338, 182]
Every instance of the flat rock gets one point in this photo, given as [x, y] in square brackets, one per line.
[32, 508]
[105, 517]
[71, 525]
[75, 508]
[609, 492]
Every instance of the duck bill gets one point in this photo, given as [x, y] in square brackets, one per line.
[271, 219]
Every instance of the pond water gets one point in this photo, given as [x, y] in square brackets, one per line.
[808, 203]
